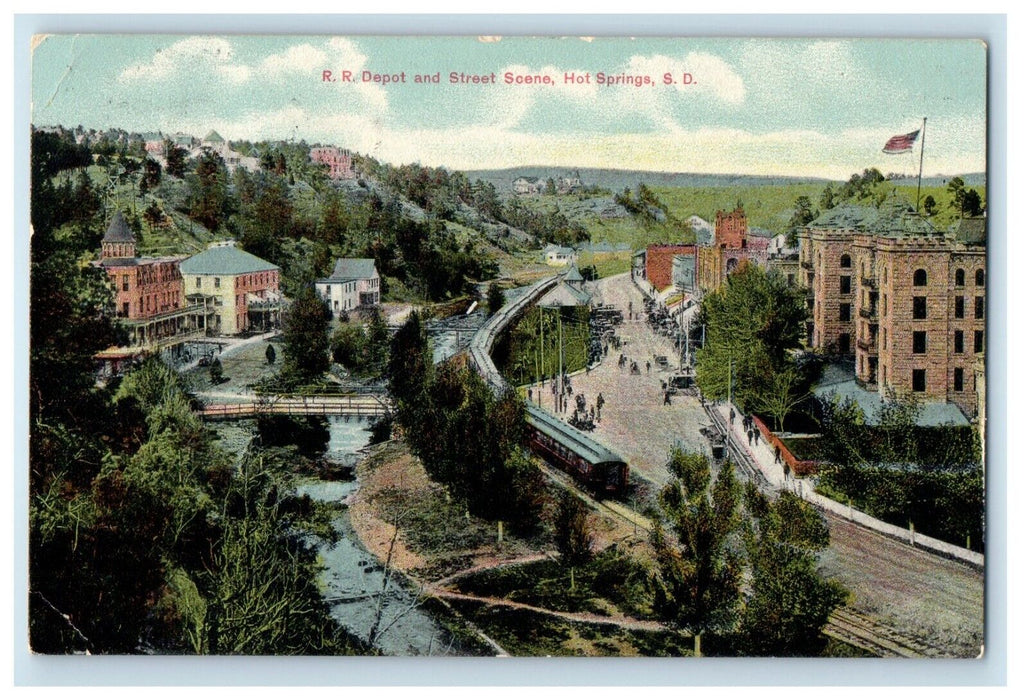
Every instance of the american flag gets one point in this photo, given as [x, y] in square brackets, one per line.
[903, 143]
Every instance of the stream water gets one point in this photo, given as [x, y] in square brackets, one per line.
[352, 581]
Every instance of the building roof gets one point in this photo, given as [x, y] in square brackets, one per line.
[895, 217]
[760, 232]
[839, 381]
[565, 295]
[352, 269]
[573, 275]
[213, 137]
[118, 231]
[224, 260]
[970, 231]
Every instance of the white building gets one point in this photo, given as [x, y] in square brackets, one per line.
[558, 255]
[354, 282]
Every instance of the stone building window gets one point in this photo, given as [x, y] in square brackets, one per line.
[217, 282]
[920, 342]
[920, 278]
[958, 379]
[979, 277]
[919, 380]
[958, 342]
[979, 341]
[958, 307]
[844, 285]
[958, 278]
[844, 343]
[844, 312]
[920, 307]
[844, 261]
[979, 307]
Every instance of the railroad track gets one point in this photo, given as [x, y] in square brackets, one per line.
[847, 625]
[619, 510]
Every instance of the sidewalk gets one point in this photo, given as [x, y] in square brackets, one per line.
[763, 457]
[761, 453]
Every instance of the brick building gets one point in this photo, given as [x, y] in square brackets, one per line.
[149, 298]
[659, 261]
[733, 243]
[240, 290]
[339, 162]
[906, 301]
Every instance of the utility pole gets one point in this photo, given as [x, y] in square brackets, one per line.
[540, 357]
[560, 354]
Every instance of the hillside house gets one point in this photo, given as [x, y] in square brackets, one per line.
[354, 282]
[240, 290]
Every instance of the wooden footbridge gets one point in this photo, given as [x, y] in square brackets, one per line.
[359, 405]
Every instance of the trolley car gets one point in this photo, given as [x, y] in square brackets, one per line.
[592, 464]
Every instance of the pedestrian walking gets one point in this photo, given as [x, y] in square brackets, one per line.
[647, 366]
[599, 406]
[530, 394]
[731, 416]
[667, 398]
[778, 458]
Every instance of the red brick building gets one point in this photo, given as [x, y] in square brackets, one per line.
[906, 301]
[733, 243]
[659, 260]
[148, 291]
[339, 162]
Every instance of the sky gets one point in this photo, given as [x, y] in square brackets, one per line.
[799, 107]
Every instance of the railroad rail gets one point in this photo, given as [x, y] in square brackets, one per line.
[856, 629]
[361, 406]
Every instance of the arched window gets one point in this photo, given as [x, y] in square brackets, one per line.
[920, 278]
[979, 277]
[959, 277]
[844, 261]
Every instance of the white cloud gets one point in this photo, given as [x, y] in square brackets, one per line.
[712, 75]
[188, 55]
[302, 58]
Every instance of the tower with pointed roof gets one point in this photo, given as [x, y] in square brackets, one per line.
[118, 241]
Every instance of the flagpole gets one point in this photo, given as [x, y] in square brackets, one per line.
[924, 126]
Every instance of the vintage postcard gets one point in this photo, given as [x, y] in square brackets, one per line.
[507, 346]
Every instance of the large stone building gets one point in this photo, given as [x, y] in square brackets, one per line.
[354, 282]
[149, 298]
[733, 244]
[240, 290]
[905, 301]
[338, 160]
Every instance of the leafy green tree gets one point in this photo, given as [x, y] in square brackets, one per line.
[348, 345]
[699, 586]
[151, 176]
[494, 298]
[305, 338]
[971, 204]
[931, 207]
[269, 221]
[752, 323]
[789, 602]
[410, 372]
[803, 212]
[827, 200]
[208, 190]
[571, 530]
[957, 192]
[176, 158]
[377, 357]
